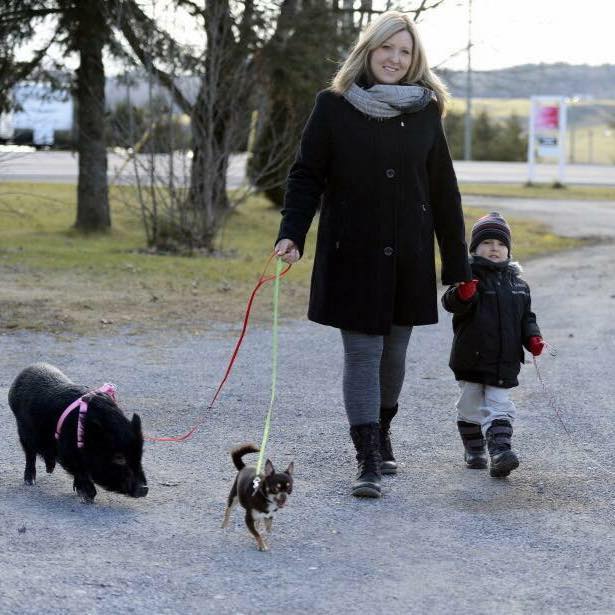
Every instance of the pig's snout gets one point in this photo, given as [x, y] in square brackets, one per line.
[140, 491]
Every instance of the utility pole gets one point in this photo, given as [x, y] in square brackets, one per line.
[467, 141]
[590, 146]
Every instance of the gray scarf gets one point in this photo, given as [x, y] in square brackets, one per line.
[384, 101]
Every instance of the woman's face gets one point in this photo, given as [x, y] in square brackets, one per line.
[390, 62]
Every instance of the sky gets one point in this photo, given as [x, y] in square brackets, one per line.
[512, 32]
[504, 32]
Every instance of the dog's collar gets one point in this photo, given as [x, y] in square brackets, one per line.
[82, 402]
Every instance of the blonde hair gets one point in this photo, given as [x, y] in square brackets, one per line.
[375, 34]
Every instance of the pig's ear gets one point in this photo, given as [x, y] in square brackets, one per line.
[268, 468]
[136, 423]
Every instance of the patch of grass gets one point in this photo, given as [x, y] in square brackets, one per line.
[56, 279]
[541, 191]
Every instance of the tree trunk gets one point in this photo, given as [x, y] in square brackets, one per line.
[295, 71]
[210, 158]
[214, 124]
[93, 212]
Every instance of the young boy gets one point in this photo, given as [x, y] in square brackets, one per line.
[492, 321]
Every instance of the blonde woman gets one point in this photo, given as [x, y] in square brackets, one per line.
[374, 155]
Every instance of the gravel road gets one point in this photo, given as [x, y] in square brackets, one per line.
[442, 539]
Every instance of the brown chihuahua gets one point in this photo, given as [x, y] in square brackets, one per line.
[261, 497]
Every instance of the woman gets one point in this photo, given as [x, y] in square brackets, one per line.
[374, 150]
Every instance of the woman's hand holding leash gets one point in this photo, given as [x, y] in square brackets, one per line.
[287, 250]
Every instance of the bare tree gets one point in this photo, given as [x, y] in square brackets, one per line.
[196, 206]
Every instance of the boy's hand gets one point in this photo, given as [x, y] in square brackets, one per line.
[466, 290]
[535, 345]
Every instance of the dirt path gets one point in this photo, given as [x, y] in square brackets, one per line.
[442, 539]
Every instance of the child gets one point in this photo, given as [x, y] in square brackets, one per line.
[492, 321]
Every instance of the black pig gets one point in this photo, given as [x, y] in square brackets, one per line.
[112, 446]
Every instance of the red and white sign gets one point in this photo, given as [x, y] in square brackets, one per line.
[547, 118]
[547, 133]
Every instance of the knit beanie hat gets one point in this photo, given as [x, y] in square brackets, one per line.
[491, 226]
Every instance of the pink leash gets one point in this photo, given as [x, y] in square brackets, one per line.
[82, 402]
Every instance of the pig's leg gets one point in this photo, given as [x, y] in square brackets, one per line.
[29, 475]
[84, 487]
[49, 455]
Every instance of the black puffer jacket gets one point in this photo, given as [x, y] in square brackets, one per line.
[492, 327]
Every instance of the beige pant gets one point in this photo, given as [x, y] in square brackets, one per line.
[481, 404]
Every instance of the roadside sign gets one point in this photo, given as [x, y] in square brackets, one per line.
[547, 133]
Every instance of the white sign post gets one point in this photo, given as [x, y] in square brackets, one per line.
[547, 133]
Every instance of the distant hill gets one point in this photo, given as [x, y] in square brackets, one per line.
[536, 79]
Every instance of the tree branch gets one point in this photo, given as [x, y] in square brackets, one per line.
[10, 73]
[144, 56]
[27, 15]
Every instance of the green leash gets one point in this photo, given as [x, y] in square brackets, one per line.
[274, 372]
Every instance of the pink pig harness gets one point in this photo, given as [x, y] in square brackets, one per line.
[82, 403]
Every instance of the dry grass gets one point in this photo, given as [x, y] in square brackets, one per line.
[54, 279]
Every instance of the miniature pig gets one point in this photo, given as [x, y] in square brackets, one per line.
[99, 446]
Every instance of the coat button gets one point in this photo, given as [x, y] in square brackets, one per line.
[500, 382]
[388, 251]
[390, 173]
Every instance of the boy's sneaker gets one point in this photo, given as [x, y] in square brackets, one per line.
[503, 458]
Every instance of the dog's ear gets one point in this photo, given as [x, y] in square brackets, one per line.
[291, 468]
[269, 468]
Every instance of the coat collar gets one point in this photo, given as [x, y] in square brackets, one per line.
[484, 263]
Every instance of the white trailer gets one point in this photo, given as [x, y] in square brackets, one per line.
[39, 109]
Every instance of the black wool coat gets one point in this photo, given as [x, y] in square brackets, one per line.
[491, 328]
[384, 187]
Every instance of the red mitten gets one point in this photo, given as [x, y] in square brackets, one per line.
[466, 290]
[535, 345]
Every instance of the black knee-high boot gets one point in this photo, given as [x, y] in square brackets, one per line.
[388, 464]
[475, 455]
[366, 439]
[503, 459]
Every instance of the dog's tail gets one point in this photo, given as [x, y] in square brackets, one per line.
[238, 452]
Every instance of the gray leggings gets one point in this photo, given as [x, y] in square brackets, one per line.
[374, 369]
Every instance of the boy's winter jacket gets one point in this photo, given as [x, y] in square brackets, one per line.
[491, 328]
